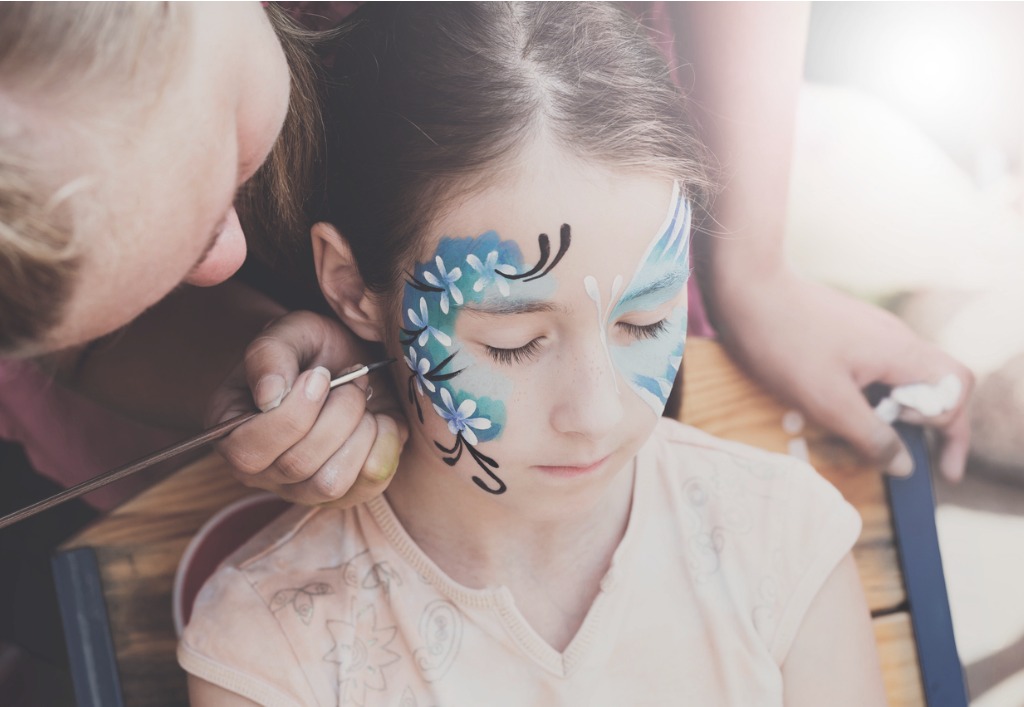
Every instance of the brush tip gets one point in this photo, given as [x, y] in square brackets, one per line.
[380, 364]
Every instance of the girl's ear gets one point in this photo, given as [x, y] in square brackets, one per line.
[342, 285]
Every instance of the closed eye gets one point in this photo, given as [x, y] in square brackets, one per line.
[644, 331]
[509, 357]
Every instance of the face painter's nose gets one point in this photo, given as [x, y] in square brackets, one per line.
[224, 258]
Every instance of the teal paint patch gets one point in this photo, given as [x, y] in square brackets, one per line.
[465, 272]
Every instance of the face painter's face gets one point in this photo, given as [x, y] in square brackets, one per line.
[543, 323]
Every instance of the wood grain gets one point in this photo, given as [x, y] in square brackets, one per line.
[138, 547]
[139, 544]
[898, 654]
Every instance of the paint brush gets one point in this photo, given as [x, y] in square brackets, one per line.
[212, 434]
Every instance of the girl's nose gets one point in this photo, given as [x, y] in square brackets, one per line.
[589, 398]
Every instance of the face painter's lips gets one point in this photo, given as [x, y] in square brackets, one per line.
[570, 470]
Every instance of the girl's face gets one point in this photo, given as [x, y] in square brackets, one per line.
[157, 183]
[542, 326]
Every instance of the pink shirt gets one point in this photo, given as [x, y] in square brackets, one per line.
[70, 439]
[725, 550]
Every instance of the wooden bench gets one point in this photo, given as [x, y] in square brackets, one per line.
[115, 578]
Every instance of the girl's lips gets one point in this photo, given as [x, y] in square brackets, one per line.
[573, 470]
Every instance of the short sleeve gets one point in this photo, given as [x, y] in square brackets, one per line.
[817, 529]
[235, 642]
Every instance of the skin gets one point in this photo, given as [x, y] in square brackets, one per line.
[552, 553]
[549, 538]
[168, 227]
[162, 230]
[572, 423]
[811, 345]
[747, 61]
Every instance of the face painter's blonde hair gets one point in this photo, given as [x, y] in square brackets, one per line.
[61, 63]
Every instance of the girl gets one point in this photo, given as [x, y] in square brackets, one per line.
[512, 223]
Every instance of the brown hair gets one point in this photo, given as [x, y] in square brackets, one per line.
[272, 206]
[54, 53]
[428, 97]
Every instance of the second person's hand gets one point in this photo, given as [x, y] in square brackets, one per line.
[818, 349]
[312, 445]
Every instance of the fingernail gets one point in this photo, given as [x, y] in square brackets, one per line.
[902, 464]
[317, 383]
[270, 391]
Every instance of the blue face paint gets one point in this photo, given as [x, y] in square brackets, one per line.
[484, 271]
[650, 363]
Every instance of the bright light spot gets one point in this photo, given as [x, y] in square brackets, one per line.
[928, 72]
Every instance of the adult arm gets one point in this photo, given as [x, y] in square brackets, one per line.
[813, 346]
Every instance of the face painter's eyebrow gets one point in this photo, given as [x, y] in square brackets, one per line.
[505, 307]
[669, 280]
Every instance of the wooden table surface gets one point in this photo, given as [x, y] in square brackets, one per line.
[138, 545]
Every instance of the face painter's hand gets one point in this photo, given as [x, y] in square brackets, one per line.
[311, 446]
[818, 349]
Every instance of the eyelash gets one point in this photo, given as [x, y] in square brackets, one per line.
[522, 354]
[508, 357]
[645, 331]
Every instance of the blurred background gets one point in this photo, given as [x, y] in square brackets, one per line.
[908, 191]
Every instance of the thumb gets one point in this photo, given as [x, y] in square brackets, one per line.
[849, 415]
[283, 350]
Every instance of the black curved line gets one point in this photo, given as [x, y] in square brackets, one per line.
[480, 457]
[454, 448]
[482, 460]
[433, 376]
[413, 398]
[441, 365]
[564, 240]
[418, 284]
[545, 252]
[502, 488]
[412, 336]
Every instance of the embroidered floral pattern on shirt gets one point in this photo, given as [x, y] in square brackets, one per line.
[441, 629]
[358, 572]
[716, 507]
[362, 654]
[300, 599]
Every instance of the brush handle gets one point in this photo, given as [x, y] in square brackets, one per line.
[205, 437]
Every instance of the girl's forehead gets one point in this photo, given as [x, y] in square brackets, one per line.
[611, 217]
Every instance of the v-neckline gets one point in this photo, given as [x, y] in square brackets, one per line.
[500, 599]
